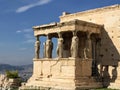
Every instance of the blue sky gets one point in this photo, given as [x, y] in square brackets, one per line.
[18, 16]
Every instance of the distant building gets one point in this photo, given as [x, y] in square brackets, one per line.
[88, 51]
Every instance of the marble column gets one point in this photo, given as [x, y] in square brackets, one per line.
[74, 45]
[37, 48]
[48, 47]
[60, 46]
[88, 50]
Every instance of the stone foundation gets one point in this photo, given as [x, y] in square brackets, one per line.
[62, 74]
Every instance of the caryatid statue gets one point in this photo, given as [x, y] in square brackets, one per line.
[37, 47]
[74, 45]
[48, 48]
[60, 46]
[88, 50]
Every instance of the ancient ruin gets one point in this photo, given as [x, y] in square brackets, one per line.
[9, 83]
[87, 51]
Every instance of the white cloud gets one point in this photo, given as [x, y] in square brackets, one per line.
[28, 35]
[27, 7]
[30, 41]
[19, 31]
[24, 30]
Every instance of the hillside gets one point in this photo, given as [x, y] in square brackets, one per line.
[4, 67]
[25, 71]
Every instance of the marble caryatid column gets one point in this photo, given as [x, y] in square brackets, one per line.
[60, 46]
[37, 47]
[48, 47]
[88, 49]
[74, 45]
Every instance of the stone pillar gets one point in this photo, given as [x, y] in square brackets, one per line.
[48, 47]
[60, 46]
[88, 49]
[74, 45]
[37, 47]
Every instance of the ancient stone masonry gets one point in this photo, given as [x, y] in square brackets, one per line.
[67, 69]
[85, 51]
[9, 83]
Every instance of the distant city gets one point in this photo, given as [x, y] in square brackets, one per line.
[25, 71]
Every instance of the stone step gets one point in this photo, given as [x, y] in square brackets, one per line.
[114, 86]
[92, 79]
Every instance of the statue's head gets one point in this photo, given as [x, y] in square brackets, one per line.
[60, 35]
[48, 36]
[74, 33]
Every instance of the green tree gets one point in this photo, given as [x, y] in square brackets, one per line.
[12, 74]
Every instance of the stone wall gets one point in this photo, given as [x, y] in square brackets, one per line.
[9, 83]
[62, 74]
[62, 68]
[109, 55]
